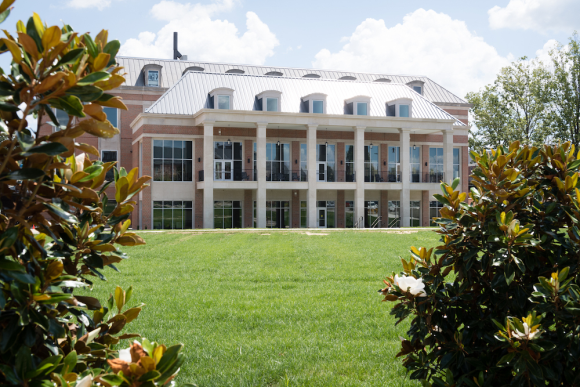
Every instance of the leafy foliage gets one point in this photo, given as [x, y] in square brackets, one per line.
[54, 235]
[502, 302]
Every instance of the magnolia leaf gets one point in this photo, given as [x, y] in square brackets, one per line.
[85, 93]
[51, 37]
[49, 148]
[70, 104]
[24, 174]
[98, 128]
[70, 57]
[119, 298]
[94, 77]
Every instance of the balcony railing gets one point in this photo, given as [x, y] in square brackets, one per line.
[294, 175]
[236, 175]
[383, 177]
[429, 177]
[345, 177]
[200, 175]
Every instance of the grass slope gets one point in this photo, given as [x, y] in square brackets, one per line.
[284, 309]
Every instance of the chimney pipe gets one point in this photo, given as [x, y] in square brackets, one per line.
[176, 54]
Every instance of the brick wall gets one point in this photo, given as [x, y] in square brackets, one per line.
[295, 159]
[425, 159]
[198, 166]
[384, 157]
[135, 162]
[147, 170]
[340, 158]
[340, 209]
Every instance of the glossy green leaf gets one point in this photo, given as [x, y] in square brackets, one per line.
[24, 174]
[49, 148]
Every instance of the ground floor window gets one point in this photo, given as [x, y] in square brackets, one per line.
[434, 208]
[415, 213]
[371, 213]
[303, 214]
[349, 214]
[172, 215]
[277, 214]
[227, 214]
[325, 214]
[394, 213]
[109, 207]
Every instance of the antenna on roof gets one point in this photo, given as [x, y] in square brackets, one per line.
[176, 54]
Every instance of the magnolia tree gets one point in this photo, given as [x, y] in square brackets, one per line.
[497, 303]
[54, 234]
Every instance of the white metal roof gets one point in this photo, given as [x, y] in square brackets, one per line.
[173, 70]
[191, 94]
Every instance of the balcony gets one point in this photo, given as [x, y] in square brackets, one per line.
[428, 177]
[331, 176]
[294, 175]
[383, 177]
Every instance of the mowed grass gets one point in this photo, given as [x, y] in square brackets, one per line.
[285, 309]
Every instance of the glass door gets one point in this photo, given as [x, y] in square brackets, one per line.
[223, 170]
[322, 217]
[321, 172]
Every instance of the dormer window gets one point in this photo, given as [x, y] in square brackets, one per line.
[153, 78]
[401, 107]
[403, 110]
[314, 103]
[222, 98]
[417, 86]
[269, 101]
[418, 89]
[358, 106]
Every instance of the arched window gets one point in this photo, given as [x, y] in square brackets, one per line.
[235, 71]
[347, 78]
[311, 76]
[386, 80]
[193, 68]
[274, 73]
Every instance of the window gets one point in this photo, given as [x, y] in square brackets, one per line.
[277, 214]
[109, 207]
[371, 213]
[223, 102]
[328, 207]
[62, 117]
[372, 164]
[272, 104]
[303, 162]
[361, 109]
[174, 215]
[403, 110]
[227, 214]
[391, 110]
[107, 156]
[172, 160]
[394, 174]
[415, 206]
[303, 214]
[255, 164]
[349, 213]
[325, 162]
[111, 115]
[436, 165]
[277, 162]
[434, 209]
[455, 163]
[394, 213]
[415, 164]
[153, 78]
[227, 161]
[349, 163]
[418, 89]
[318, 107]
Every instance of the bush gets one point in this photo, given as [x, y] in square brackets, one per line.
[498, 303]
[54, 235]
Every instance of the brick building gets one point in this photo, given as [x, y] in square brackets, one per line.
[254, 146]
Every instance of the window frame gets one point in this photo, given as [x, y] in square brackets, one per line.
[229, 97]
[270, 94]
[172, 208]
[359, 99]
[314, 97]
[116, 125]
[149, 79]
[110, 171]
[233, 209]
[416, 208]
[458, 164]
[163, 158]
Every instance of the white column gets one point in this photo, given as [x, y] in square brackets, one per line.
[359, 167]
[448, 155]
[405, 141]
[261, 166]
[208, 174]
[312, 177]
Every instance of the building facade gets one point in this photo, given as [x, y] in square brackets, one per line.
[231, 146]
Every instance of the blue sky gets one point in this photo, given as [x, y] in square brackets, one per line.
[459, 44]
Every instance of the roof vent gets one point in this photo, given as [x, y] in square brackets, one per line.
[235, 71]
[192, 68]
[311, 76]
[274, 73]
[382, 80]
[347, 78]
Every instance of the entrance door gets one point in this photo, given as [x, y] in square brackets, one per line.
[321, 172]
[322, 218]
[223, 170]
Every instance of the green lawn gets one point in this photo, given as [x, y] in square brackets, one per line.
[285, 309]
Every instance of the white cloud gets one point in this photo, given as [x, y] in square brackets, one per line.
[202, 37]
[426, 43]
[80, 4]
[538, 15]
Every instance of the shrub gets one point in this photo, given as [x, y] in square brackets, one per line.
[54, 235]
[501, 301]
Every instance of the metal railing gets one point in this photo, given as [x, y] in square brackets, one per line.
[345, 177]
[433, 177]
[360, 223]
[235, 175]
[383, 177]
[392, 223]
[293, 175]
[200, 175]
[335, 177]
[377, 222]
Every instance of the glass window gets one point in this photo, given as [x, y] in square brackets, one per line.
[223, 101]
[415, 163]
[173, 214]
[330, 214]
[272, 104]
[456, 164]
[371, 213]
[415, 206]
[109, 207]
[349, 213]
[303, 214]
[277, 162]
[277, 214]
[107, 156]
[317, 106]
[349, 163]
[394, 213]
[227, 214]
[436, 165]
[172, 160]
[303, 162]
[394, 174]
[434, 211]
[255, 166]
[111, 115]
[228, 162]
[418, 89]
[361, 109]
[372, 164]
[403, 110]
[153, 78]
[62, 117]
